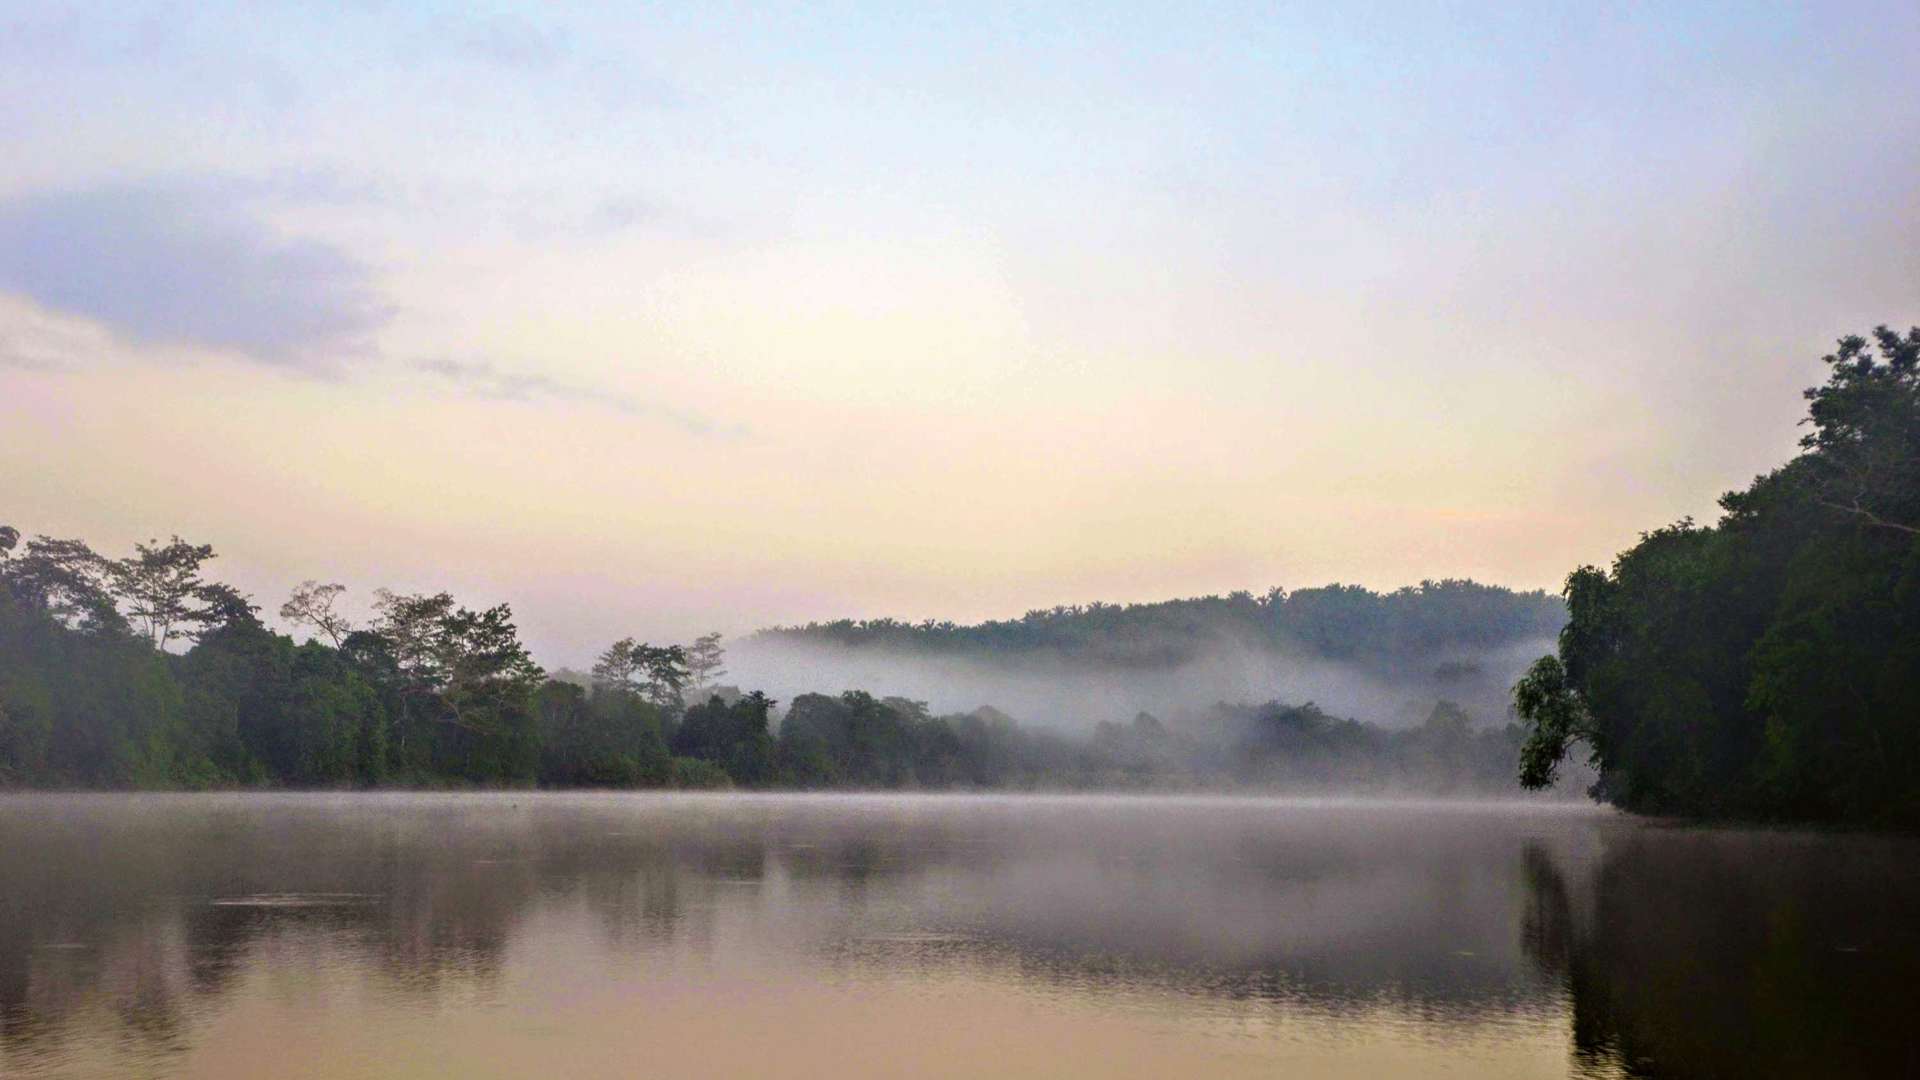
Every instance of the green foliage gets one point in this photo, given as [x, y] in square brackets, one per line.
[1555, 717]
[659, 674]
[602, 738]
[1769, 665]
[698, 774]
[431, 692]
[162, 591]
[733, 737]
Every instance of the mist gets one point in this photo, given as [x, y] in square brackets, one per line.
[1073, 694]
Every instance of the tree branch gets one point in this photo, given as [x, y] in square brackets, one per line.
[454, 721]
[1871, 517]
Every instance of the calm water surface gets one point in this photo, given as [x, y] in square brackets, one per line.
[614, 935]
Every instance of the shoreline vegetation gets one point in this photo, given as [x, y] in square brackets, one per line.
[1765, 668]
[430, 694]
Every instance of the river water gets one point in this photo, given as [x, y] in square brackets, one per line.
[519, 935]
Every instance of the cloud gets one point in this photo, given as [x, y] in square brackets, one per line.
[35, 339]
[484, 379]
[186, 265]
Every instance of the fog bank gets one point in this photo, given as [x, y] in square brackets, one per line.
[1072, 694]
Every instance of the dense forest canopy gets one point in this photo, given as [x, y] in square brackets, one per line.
[1768, 665]
[431, 692]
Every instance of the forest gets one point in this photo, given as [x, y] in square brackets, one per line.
[1766, 666]
[1381, 632]
[142, 672]
[1384, 656]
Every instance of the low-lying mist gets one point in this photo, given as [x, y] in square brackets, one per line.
[1069, 694]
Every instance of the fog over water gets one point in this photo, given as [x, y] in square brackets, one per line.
[608, 935]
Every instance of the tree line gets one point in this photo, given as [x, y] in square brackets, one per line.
[1766, 666]
[1375, 631]
[431, 692]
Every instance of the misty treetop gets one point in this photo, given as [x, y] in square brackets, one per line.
[1768, 665]
[1335, 622]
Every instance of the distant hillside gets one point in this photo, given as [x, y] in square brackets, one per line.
[1386, 655]
[1346, 623]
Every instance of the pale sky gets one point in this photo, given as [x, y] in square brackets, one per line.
[709, 316]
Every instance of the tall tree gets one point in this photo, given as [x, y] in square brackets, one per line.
[1767, 665]
[68, 580]
[161, 587]
[657, 674]
[706, 662]
[1865, 440]
[312, 604]
[222, 607]
[467, 661]
[619, 668]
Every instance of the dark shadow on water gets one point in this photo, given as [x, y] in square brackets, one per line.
[1731, 953]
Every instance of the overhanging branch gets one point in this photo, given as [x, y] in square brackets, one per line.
[1869, 516]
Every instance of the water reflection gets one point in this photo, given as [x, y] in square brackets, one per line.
[400, 935]
[1697, 953]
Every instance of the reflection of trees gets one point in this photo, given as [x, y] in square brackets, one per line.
[1721, 954]
[138, 914]
[1683, 953]
[1344, 909]
[1209, 901]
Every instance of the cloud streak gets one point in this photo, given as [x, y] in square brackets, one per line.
[181, 266]
[484, 379]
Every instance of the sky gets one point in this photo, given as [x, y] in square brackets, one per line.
[708, 316]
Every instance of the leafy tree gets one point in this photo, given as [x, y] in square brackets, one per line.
[164, 595]
[465, 670]
[657, 674]
[312, 604]
[66, 579]
[1768, 665]
[706, 662]
[1865, 443]
[222, 607]
[1557, 718]
[734, 737]
[602, 738]
[620, 668]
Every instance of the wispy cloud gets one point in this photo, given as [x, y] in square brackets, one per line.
[484, 379]
[179, 265]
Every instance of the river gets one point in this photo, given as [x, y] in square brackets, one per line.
[603, 935]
